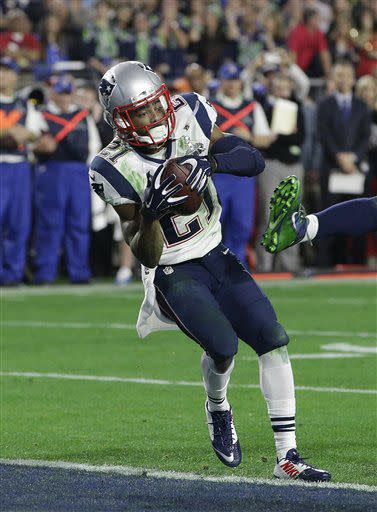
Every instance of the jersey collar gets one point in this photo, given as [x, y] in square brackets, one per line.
[169, 151]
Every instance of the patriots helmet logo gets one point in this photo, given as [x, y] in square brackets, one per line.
[105, 87]
[105, 90]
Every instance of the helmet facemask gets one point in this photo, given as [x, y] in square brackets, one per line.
[152, 134]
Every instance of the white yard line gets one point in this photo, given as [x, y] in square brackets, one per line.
[349, 348]
[335, 334]
[328, 355]
[162, 382]
[328, 300]
[67, 325]
[174, 475]
[93, 325]
[95, 289]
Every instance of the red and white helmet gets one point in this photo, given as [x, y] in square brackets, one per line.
[128, 86]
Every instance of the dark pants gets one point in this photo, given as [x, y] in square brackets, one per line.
[215, 301]
[237, 197]
[62, 218]
[15, 220]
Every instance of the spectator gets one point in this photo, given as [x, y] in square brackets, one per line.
[273, 32]
[310, 47]
[197, 78]
[141, 45]
[101, 247]
[126, 262]
[266, 67]
[18, 42]
[340, 43]
[151, 8]
[311, 156]
[20, 125]
[366, 90]
[282, 159]
[251, 37]
[101, 45]
[364, 37]
[196, 30]
[54, 48]
[124, 29]
[246, 119]
[34, 10]
[344, 129]
[172, 40]
[86, 97]
[62, 187]
[214, 45]
[71, 16]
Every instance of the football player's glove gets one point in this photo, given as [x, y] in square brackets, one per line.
[159, 195]
[202, 168]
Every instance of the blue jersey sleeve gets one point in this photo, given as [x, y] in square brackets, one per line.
[111, 186]
[203, 110]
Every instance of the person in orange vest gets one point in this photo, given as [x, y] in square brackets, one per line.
[19, 126]
[62, 197]
[246, 119]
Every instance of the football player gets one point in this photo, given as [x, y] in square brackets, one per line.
[191, 279]
[289, 225]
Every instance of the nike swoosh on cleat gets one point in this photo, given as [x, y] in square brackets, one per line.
[225, 457]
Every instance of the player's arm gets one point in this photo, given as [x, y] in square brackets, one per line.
[141, 233]
[139, 218]
[230, 154]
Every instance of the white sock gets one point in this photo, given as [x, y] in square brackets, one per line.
[215, 384]
[312, 228]
[276, 382]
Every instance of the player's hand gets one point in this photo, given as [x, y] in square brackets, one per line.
[202, 168]
[159, 196]
[46, 144]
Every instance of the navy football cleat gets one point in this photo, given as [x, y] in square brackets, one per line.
[224, 437]
[293, 466]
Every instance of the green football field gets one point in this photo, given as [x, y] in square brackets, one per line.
[78, 385]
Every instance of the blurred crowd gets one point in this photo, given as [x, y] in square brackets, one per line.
[295, 78]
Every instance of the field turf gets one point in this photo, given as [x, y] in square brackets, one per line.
[88, 331]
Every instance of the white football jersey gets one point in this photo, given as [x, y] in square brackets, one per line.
[118, 174]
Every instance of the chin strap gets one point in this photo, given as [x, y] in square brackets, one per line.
[159, 134]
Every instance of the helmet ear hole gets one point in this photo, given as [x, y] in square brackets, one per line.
[119, 121]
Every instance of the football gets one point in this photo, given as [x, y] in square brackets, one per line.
[182, 171]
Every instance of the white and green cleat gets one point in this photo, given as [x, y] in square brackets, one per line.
[287, 223]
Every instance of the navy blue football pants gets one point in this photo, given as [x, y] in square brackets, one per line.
[237, 197]
[62, 219]
[15, 217]
[215, 301]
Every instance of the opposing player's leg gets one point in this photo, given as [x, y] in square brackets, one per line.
[254, 320]
[184, 294]
[289, 225]
[355, 217]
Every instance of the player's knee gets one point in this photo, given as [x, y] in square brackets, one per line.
[222, 364]
[222, 351]
[272, 337]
